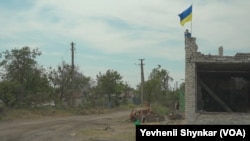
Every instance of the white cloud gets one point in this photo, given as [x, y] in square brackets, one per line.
[135, 28]
[223, 23]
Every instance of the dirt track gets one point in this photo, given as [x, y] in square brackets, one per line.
[103, 127]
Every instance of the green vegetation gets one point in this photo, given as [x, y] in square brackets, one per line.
[49, 111]
[26, 87]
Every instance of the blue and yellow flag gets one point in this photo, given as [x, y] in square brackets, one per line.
[186, 16]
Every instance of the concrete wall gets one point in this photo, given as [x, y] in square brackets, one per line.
[191, 114]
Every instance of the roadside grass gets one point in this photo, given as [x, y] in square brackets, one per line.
[23, 113]
[158, 108]
[49, 111]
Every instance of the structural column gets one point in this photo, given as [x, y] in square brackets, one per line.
[190, 83]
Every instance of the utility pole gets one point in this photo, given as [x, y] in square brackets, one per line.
[142, 80]
[72, 55]
[72, 71]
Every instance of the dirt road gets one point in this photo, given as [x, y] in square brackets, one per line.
[102, 127]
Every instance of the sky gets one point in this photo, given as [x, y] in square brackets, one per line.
[115, 34]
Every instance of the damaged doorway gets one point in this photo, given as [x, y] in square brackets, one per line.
[223, 87]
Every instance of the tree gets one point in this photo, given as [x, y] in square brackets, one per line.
[22, 70]
[8, 92]
[182, 87]
[157, 85]
[67, 82]
[150, 89]
[110, 83]
[126, 91]
[162, 77]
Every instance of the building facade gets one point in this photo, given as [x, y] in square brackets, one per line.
[217, 87]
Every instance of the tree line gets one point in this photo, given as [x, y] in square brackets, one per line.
[25, 83]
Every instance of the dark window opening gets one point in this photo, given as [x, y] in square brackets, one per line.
[223, 87]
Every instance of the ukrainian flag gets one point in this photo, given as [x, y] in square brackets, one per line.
[186, 16]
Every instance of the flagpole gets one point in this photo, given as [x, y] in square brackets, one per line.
[191, 27]
[192, 20]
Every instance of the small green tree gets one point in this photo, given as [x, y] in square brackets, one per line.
[67, 81]
[162, 78]
[110, 84]
[157, 86]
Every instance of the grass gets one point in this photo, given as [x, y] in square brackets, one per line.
[13, 114]
[29, 113]
[158, 108]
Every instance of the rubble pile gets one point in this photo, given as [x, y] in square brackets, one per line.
[145, 115]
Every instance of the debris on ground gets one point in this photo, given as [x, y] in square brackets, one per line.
[108, 128]
[175, 116]
[145, 114]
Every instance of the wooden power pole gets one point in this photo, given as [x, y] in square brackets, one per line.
[72, 55]
[142, 80]
[72, 72]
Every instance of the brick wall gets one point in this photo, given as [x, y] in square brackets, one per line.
[192, 57]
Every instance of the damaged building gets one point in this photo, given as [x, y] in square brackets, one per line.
[217, 87]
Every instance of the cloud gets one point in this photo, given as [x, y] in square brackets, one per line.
[222, 23]
[97, 23]
[108, 32]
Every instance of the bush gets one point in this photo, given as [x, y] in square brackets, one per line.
[158, 108]
[2, 105]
